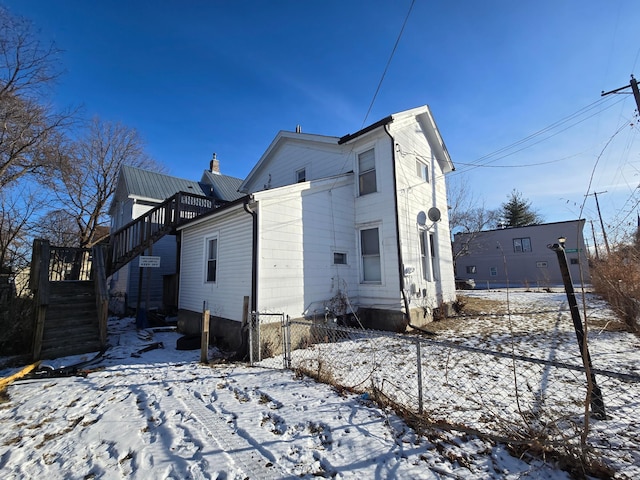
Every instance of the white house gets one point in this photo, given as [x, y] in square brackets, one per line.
[329, 224]
[137, 192]
[520, 257]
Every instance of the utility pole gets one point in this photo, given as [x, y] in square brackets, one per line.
[633, 84]
[604, 233]
[595, 243]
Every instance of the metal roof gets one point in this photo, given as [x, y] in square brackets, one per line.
[224, 187]
[158, 186]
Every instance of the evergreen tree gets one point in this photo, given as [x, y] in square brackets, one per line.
[517, 211]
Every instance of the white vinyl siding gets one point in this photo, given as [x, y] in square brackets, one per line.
[224, 298]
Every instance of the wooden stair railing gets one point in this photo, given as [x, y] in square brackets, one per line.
[71, 300]
[135, 237]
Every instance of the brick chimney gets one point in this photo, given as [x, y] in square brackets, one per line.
[214, 165]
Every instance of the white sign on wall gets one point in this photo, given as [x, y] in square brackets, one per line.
[149, 261]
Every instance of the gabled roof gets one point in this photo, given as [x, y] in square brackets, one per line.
[283, 137]
[223, 187]
[420, 114]
[425, 118]
[148, 185]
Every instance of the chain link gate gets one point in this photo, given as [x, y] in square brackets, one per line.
[268, 334]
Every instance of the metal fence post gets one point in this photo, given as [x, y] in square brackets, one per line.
[286, 340]
[419, 366]
[252, 320]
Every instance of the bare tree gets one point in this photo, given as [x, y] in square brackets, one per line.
[89, 171]
[18, 212]
[30, 131]
[467, 215]
[59, 228]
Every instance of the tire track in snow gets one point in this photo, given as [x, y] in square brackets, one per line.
[256, 464]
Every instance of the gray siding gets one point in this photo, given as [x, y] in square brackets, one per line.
[495, 260]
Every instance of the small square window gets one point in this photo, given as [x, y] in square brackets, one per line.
[301, 175]
[471, 269]
[493, 271]
[574, 261]
[339, 258]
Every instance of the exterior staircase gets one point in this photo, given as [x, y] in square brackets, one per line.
[135, 237]
[71, 300]
[70, 284]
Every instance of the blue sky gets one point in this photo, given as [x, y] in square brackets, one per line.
[197, 77]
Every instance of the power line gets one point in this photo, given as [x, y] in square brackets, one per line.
[388, 63]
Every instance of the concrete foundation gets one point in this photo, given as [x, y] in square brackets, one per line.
[222, 331]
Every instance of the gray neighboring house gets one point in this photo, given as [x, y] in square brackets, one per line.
[520, 255]
[137, 192]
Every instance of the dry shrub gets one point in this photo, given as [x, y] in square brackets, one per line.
[617, 279]
[16, 326]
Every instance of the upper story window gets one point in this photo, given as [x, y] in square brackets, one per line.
[422, 170]
[212, 259]
[367, 172]
[301, 175]
[522, 245]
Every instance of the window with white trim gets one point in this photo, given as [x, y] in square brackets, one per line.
[422, 170]
[424, 255]
[212, 259]
[339, 258]
[366, 172]
[370, 251]
[521, 245]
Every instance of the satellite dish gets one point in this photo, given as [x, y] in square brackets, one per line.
[434, 214]
[422, 218]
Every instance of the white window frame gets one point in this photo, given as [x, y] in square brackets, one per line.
[422, 170]
[344, 255]
[370, 256]
[207, 259]
[433, 250]
[519, 245]
[424, 255]
[368, 173]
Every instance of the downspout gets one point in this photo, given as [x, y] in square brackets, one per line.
[254, 253]
[395, 202]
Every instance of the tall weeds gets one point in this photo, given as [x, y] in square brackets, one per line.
[617, 279]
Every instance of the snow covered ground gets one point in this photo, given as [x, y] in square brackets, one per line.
[161, 414]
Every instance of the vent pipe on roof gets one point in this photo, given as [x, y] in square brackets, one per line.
[298, 129]
[214, 164]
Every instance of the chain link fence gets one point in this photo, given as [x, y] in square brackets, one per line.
[504, 395]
